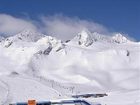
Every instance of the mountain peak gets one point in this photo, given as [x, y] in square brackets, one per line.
[28, 35]
[119, 38]
[85, 38]
[24, 36]
[52, 42]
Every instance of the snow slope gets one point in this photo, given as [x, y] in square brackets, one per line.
[34, 64]
[21, 89]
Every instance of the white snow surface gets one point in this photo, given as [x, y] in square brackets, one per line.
[36, 66]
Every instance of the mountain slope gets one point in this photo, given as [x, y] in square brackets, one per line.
[90, 62]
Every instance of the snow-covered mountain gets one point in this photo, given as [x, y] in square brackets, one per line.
[86, 38]
[1, 38]
[24, 36]
[88, 63]
[119, 38]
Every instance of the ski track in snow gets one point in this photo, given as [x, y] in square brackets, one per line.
[4, 99]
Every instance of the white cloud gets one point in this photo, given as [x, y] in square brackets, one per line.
[13, 25]
[67, 27]
[59, 26]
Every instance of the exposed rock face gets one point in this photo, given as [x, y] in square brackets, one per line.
[85, 38]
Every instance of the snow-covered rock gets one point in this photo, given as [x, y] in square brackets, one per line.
[119, 38]
[24, 36]
[85, 38]
[48, 44]
[28, 35]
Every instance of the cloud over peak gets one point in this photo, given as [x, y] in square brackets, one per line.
[11, 25]
[67, 27]
[59, 26]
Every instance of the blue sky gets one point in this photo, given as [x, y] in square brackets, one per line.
[116, 15]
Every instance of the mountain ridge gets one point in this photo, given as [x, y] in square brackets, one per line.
[84, 38]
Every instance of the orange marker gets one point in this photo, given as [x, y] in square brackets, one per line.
[31, 102]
